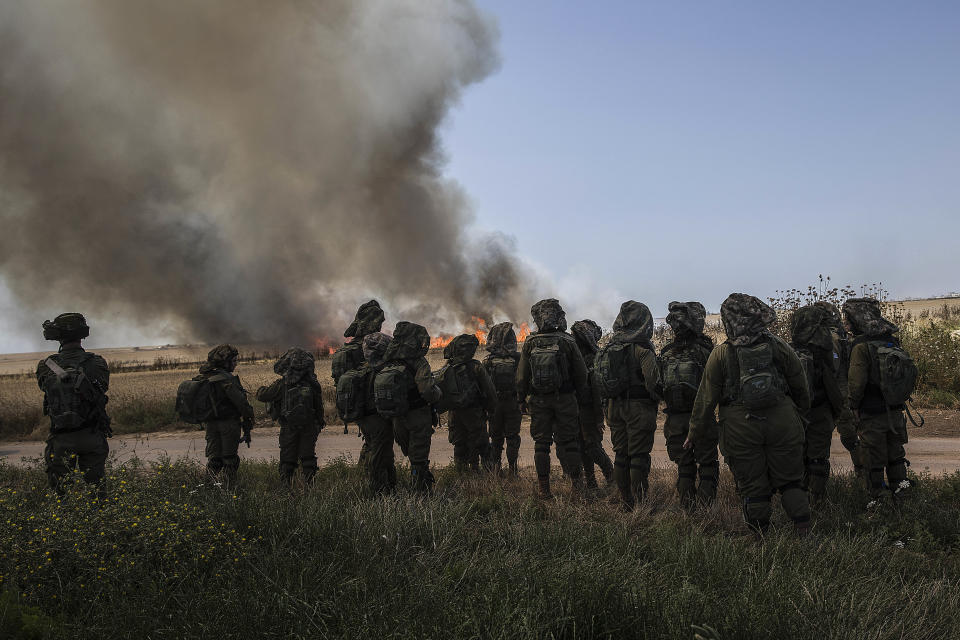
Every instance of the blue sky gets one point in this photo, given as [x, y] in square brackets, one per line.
[687, 150]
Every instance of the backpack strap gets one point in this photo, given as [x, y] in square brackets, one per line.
[55, 367]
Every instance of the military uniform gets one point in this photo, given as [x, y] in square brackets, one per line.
[298, 437]
[840, 340]
[413, 431]
[590, 438]
[504, 423]
[813, 341]
[686, 355]
[234, 414]
[83, 443]
[632, 414]
[881, 428]
[377, 431]
[763, 446]
[467, 425]
[551, 375]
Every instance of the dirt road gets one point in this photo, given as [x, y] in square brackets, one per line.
[926, 453]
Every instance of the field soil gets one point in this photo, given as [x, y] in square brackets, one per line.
[934, 448]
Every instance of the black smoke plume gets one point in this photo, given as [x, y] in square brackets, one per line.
[240, 169]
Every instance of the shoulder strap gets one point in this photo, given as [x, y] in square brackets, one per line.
[55, 367]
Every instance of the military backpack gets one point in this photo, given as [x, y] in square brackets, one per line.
[297, 404]
[613, 369]
[197, 399]
[896, 371]
[346, 358]
[549, 369]
[761, 384]
[458, 383]
[391, 389]
[503, 373]
[681, 381]
[73, 401]
[352, 394]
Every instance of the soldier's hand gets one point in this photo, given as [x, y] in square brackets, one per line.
[688, 443]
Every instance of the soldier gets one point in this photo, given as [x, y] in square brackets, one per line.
[878, 395]
[841, 361]
[74, 384]
[296, 401]
[760, 386]
[468, 395]
[377, 431]
[504, 423]
[368, 319]
[682, 361]
[404, 390]
[627, 373]
[550, 376]
[812, 340]
[234, 415]
[587, 333]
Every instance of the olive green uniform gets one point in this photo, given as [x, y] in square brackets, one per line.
[84, 447]
[414, 430]
[701, 460]
[882, 429]
[298, 443]
[590, 436]
[764, 447]
[554, 415]
[234, 414]
[504, 422]
[632, 418]
[467, 427]
[378, 438]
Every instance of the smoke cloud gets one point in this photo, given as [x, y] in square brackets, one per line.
[244, 170]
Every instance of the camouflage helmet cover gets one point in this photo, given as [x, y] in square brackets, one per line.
[634, 323]
[294, 361]
[502, 339]
[865, 317]
[410, 341]
[375, 346]
[549, 315]
[745, 318]
[221, 355]
[810, 326]
[66, 327]
[587, 333]
[463, 347]
[834, 316]
[369, 319]
[689, 315]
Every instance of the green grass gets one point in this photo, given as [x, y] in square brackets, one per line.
[164, 557]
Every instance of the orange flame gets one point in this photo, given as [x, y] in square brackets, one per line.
[478, 327]
[323, 346]
[523, 331]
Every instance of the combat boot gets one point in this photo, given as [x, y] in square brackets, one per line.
[543, 485]
[590, 477]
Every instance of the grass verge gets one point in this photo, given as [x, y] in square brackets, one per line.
[170, 555]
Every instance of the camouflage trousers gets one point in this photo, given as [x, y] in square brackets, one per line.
[467, 433]
[633, 423]
[699, 462]
[590, 439]
[555, 419]
[504, 426]
[413, 433]
[379, 462]
[882, 437]
[816, 450]
[85, 450]
[298, 445]
[764, 449]
[223, 443]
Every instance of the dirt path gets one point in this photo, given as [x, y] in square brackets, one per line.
[933, 452]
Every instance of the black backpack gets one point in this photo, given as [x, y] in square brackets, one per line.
[346, 358]
[391, 388]
[761, 384]
[458, 383]
[73, 401]
[613, 370]
[549, 369]
[352, 394]
[503, 373]
[297, 404]
[197, 399]
[681, 380]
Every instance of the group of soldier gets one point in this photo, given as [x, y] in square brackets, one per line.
[770, 407]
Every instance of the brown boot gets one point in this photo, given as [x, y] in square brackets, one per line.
[543, 483]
